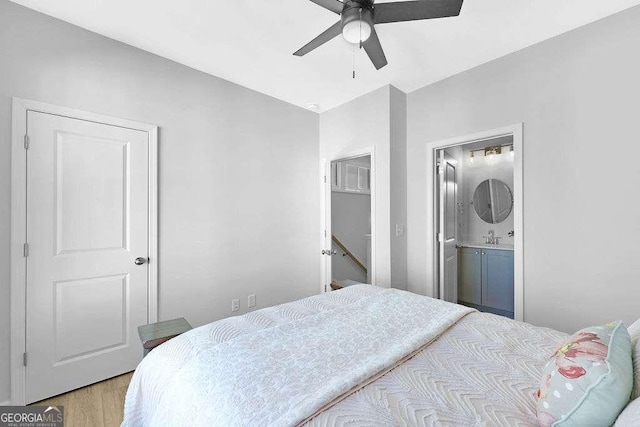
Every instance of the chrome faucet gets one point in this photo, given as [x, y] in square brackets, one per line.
[491, 239]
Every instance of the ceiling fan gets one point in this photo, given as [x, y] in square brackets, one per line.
[358, 17]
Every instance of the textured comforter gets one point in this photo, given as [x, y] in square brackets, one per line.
[483, 370]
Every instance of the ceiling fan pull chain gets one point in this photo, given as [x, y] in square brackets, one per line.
[353, 54]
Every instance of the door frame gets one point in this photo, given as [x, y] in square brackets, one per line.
[325, 209]
[18, 303]
[517, 131]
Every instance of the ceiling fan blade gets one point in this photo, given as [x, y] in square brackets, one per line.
[374, 49]
[330, 33]
[333, 5]
[402, 11]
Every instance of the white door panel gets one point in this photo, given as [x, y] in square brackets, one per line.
[87, 221]
[81, 193]
[451, 278]
[85, 306]
[448, 221]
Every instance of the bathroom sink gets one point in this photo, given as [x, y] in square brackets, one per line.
[503, 247]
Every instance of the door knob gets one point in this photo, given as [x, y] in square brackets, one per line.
[324, 252]
[140, 261]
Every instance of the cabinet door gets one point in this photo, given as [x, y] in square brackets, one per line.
[350, 177]
[364, 179]
[356, 178]
[469, 276]
[497, 279]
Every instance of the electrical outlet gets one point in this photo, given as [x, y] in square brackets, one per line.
[235, 305]
[251, 300]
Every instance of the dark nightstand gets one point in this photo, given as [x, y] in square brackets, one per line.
[154, 334]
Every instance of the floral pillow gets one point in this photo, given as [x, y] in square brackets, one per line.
[588, 380]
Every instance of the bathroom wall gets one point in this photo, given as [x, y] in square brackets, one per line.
[482, 168]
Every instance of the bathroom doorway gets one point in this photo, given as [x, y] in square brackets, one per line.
[477, 221]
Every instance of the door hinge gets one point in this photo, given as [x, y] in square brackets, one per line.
[25, 250]
[325, 179]
[325, 233]
[26, 142]
[24, 358]
[439, 237]
[325, 288]
[439, 170]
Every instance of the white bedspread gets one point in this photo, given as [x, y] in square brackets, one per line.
[484, 371]
[281, 373]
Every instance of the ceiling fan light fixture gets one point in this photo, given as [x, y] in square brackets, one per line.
[356, 31]
[357, 20]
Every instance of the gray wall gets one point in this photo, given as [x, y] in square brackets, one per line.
[238, 170]
[398, 148]
[377, 120]
[349, 130]
[577, 96]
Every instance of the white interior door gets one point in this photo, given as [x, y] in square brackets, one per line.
[87, 222]
[330, 176]
[447, 237]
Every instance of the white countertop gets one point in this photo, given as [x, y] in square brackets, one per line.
[486, 246]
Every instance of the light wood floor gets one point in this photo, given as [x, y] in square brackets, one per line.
[97, 405]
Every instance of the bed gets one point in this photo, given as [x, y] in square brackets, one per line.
[362, 356]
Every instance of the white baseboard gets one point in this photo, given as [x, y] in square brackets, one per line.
[6, 403]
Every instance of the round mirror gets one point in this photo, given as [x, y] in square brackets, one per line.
[493, 201]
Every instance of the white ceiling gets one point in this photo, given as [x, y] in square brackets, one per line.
[250, 42]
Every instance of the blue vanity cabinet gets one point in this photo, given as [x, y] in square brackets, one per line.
[470, 275]
[497, 279]
[485, 279]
